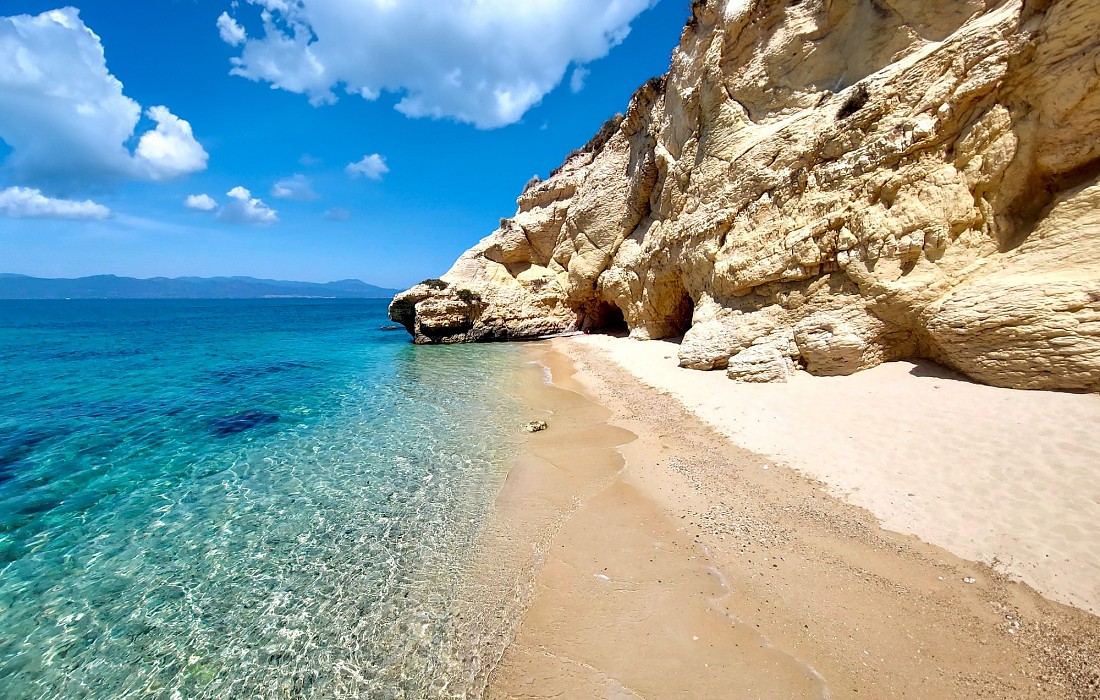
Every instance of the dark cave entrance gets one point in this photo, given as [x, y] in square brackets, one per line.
[672, 307]
[614, 321]
[679, 320]
[605, 318]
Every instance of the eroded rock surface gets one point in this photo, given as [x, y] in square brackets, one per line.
[842, 182]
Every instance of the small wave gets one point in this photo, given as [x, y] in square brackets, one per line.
[547, 375]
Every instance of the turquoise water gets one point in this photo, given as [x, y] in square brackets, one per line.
[266, 499]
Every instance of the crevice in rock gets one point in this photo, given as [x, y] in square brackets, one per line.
[1038, 196]
[449, 333]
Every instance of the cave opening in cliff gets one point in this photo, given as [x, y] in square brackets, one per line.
[679, 321]
[671, 307]
[607, 318]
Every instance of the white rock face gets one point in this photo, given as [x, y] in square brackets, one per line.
[760, 364]
[844, 181]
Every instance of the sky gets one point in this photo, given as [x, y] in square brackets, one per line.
[310, 140]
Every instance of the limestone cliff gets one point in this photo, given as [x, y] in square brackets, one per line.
[826, 184]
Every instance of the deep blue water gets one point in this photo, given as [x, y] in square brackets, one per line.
[229, 499]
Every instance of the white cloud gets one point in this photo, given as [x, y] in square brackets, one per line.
[296, 187]
[65, 116]
[231, 32]
[200, 202]
[243, 208]
[372, 166]
[27, 203]
[170, 150]
[576, 82]
[485, 62]
[337, 214]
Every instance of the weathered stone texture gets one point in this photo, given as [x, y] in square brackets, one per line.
[844, 182]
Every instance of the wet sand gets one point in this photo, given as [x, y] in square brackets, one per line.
[654, 558]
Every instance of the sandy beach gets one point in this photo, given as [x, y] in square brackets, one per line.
[830, 538]
[1007, 477]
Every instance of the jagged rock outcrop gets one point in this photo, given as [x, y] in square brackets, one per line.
[831, 184]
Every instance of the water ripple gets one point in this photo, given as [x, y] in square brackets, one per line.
[275, 500]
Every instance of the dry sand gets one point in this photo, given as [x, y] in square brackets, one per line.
[1007, 477]
[664, 561]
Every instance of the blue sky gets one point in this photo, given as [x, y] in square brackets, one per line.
[469, 100]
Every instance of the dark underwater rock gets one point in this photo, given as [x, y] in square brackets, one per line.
[17, 447]
[240, 422]
[249, 372]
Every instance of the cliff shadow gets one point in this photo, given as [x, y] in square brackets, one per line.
[934, 370]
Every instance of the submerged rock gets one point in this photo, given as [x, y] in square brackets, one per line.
[846, 181]
[240, 422]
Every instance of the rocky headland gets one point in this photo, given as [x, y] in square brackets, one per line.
[824, 185]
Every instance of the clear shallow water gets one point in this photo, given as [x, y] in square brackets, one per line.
[238, 499]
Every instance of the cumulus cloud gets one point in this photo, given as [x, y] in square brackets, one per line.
[231, 32]
[65, 116]
[337, 214]
[170, 150]
[372, 167]
[576, 82]
[245, 209]
[484, 62]
[200, 202]
[296, 187]
[27, 203]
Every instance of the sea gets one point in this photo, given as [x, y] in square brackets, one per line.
[269, 498]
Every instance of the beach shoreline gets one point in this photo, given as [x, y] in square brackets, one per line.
[671, 562]
[1007, 477]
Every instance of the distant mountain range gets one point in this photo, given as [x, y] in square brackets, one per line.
[112, 287]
